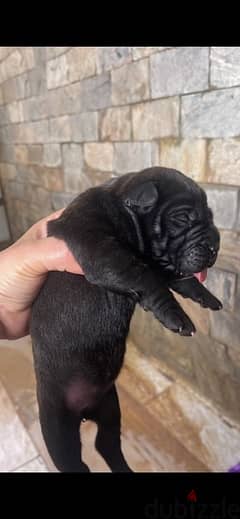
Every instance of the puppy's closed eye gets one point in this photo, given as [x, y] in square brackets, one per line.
[178, 223]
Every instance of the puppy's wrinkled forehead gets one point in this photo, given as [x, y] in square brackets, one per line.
[165, 192]
[194, 203]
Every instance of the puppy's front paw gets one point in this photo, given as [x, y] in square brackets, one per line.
[208, 300]
[175, 319]
[192, 289]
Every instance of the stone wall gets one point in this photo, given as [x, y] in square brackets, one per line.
[72, 117]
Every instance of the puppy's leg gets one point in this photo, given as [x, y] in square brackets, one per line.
[192, 289]
[108, 439]
[60, 430]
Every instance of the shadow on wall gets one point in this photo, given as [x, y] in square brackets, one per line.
[5, 236]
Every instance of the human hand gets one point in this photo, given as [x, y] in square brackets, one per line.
[23, 269]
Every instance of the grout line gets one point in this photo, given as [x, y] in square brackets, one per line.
[177, 380]
[24, 464]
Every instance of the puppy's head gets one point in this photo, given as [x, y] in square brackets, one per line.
[174, 221]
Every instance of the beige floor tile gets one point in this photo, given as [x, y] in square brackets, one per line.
[37, 438]
[90, 456]
[36, 465]
[17, 376]
[197, 426]
[150, 447]
[16, 447]
[22, 345]
[141, 375]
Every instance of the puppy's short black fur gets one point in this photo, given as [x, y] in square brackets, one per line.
[135, 237]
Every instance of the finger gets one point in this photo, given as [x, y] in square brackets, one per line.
[47, 254]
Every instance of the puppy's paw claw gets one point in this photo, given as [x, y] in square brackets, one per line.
[178, 323]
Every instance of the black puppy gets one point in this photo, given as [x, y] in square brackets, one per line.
[135, 237]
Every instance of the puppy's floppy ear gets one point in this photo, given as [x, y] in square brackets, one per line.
[142, 197]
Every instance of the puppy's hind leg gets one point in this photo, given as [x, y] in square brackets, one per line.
[60, 429]
[108, 440]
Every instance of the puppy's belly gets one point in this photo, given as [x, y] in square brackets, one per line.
[79, 329]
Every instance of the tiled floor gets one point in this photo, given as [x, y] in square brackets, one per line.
[165, 426]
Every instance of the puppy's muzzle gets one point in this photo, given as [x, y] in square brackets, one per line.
[198, 258]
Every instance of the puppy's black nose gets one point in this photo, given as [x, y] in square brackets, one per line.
[212, 250]
[212, 255]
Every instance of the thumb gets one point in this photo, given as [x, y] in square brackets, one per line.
[48, 254]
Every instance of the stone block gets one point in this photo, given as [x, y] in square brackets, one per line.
[212, 114]
[7, 172]
[234, 360]
[17, 62]
[21, 153]
[95, 177]
[144, 52]
[6, 134]
[99, 156]
[115, 124]
[34, 82]
[84, 127]
[155, 119]
[40, 55]
[32, 132]
[223, 285]
[15, 112]
[35, 108]
[29, 174]
[224, 203]
[4, 117]
[73, 166]
[57, 72]
[132, 156]
[188, 156]
[60, 200]
[109, 58]
[52, 155]
[5, 51]
[7, 153]
[179, 71]
[60, 129]
[225, 66]
[11, 91]
[53, 52]
[225, 328]
[15, 190]
[224, 161]
[130, 83]
[96, 92]
[64, 100]
[35, 153]
[40, 205]
[81, 63]
[211, 364]
[51, 179]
